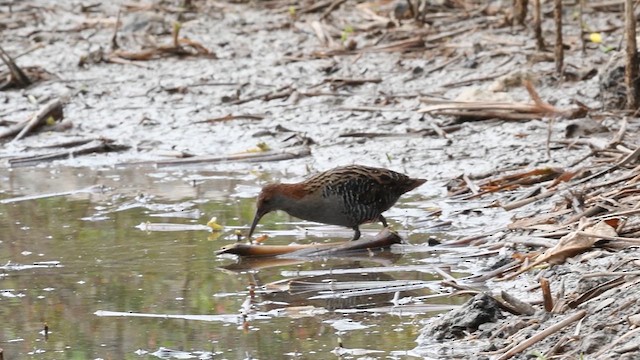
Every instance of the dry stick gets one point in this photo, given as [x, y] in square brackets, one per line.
[475, 80]
[620, 179]
[95, 146]
[583, 32]
[494, 273]
[611, 273]
[604, 4]
[549, 133]
[618, 340]
[546, 294]
[631, 66]
[520, 11]
[87, 190]
[274, 155]
[443, 65]
[537, 25]
[470, 184]
[628, 159]
[596, 291]
[52, 108]
[231, 117]
[523, 202]
[419, 133]
[543, 334]
[617, 139]
[334, 5]
[521, 306]
[611, 238]
[588, 213]
[316, 7]
[369, 109]
[282, 92]
[20, 77]
[558, 345]
[439, 130]
[559, 50]
[114, 38]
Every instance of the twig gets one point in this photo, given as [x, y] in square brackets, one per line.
[282, 92]
[523, 202]
[470, 184]
[475, 80]
[543, 334]
[611, 238]
[631, 65]
[548, 140]
[521, 306]
[334, 5]
[90, 189]
[444, 64]
[493, 273]
[546, 294]
[418, 133]
[628, 159]
[617, 139]
[559, 50]
[273, 155]
[52, 108]
[369, 108]
[18, 77]
[114, 38]
[621, 338]
[316, 7]
[537, 25]
[520, 11]
[583, 41]
[231, 117]
[611, 273]
[95, 146]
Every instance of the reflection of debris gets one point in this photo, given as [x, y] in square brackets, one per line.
[213, 224]
[89, 190]
[163, 227]
[384, 239]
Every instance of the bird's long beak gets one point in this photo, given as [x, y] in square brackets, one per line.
[256, 219]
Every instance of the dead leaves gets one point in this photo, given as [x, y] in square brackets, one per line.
[572, 244]
[576, 243]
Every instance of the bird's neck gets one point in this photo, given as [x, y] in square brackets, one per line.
[293, 192]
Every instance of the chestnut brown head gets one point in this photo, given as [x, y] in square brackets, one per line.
[270, 199]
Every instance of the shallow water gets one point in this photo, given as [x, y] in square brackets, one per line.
[79, 264]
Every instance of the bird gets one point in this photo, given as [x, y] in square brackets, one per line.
[346, 196]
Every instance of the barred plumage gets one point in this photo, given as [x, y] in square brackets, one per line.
[346, 196]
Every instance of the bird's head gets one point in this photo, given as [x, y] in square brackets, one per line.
[270, 199]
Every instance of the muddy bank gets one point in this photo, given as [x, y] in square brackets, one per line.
[358, 85]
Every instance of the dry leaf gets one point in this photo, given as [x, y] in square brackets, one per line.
[574, 243]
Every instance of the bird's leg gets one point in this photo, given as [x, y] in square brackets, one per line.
[383, 221]
[356, 235]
